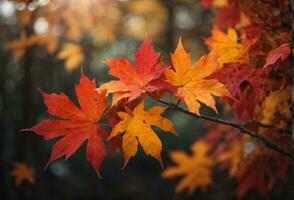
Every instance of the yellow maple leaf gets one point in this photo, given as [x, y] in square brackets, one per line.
[196, 168]
[190, 81]
[73, 55]
[135, 127]
[244, 21]
[226, 48]
[22, 173]
[277, 103]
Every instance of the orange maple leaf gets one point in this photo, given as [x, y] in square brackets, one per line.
[196, 169]
[190, 81]
[226, 48]
[135, 127]
[22, 173]
[75, 124]
[135, 80]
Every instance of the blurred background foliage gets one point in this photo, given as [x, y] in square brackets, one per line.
[43, 44]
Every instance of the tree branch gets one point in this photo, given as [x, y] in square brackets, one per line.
[242, 128]
[282, 130]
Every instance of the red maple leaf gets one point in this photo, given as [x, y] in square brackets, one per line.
[75, 124]
[260, 170]
[244, 82]
[228, 16]
[282, 52]
[206, 4]
[135, 80]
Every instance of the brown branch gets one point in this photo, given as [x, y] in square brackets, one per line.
[242, 128]
[282, 130]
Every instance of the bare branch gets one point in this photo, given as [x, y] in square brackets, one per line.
[282, 130]
[241, 127]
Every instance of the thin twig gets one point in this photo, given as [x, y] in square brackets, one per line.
[104, 124]
[282, 130]
[242, 128]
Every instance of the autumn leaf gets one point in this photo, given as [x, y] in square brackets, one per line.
[73, 55]
[21, 172]
[244, 82]
[226, 48]
[196, 168]
[135, 127]
[135, 80]
[228, 16]
[75, 124]
[277, 103]
[190, 80]
[282, 52]
[260, 171]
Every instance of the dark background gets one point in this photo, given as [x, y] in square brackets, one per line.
[21, 107]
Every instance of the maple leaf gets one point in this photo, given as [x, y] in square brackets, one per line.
[195, 168]
[277, 103]
[73, 55]
[261, 170]
[190, 81]
[75, 125]
[135, 127]
[226, 48]
[229, 15]
[282, 52]
[244, 82]
[135, 80]
[22, 173]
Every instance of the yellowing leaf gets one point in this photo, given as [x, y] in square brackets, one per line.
[190, 81]
[195, 168]
[244, 21]
[226, 48]
[136, 128]
[22, 173]
[73, 55]
[277, 103]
